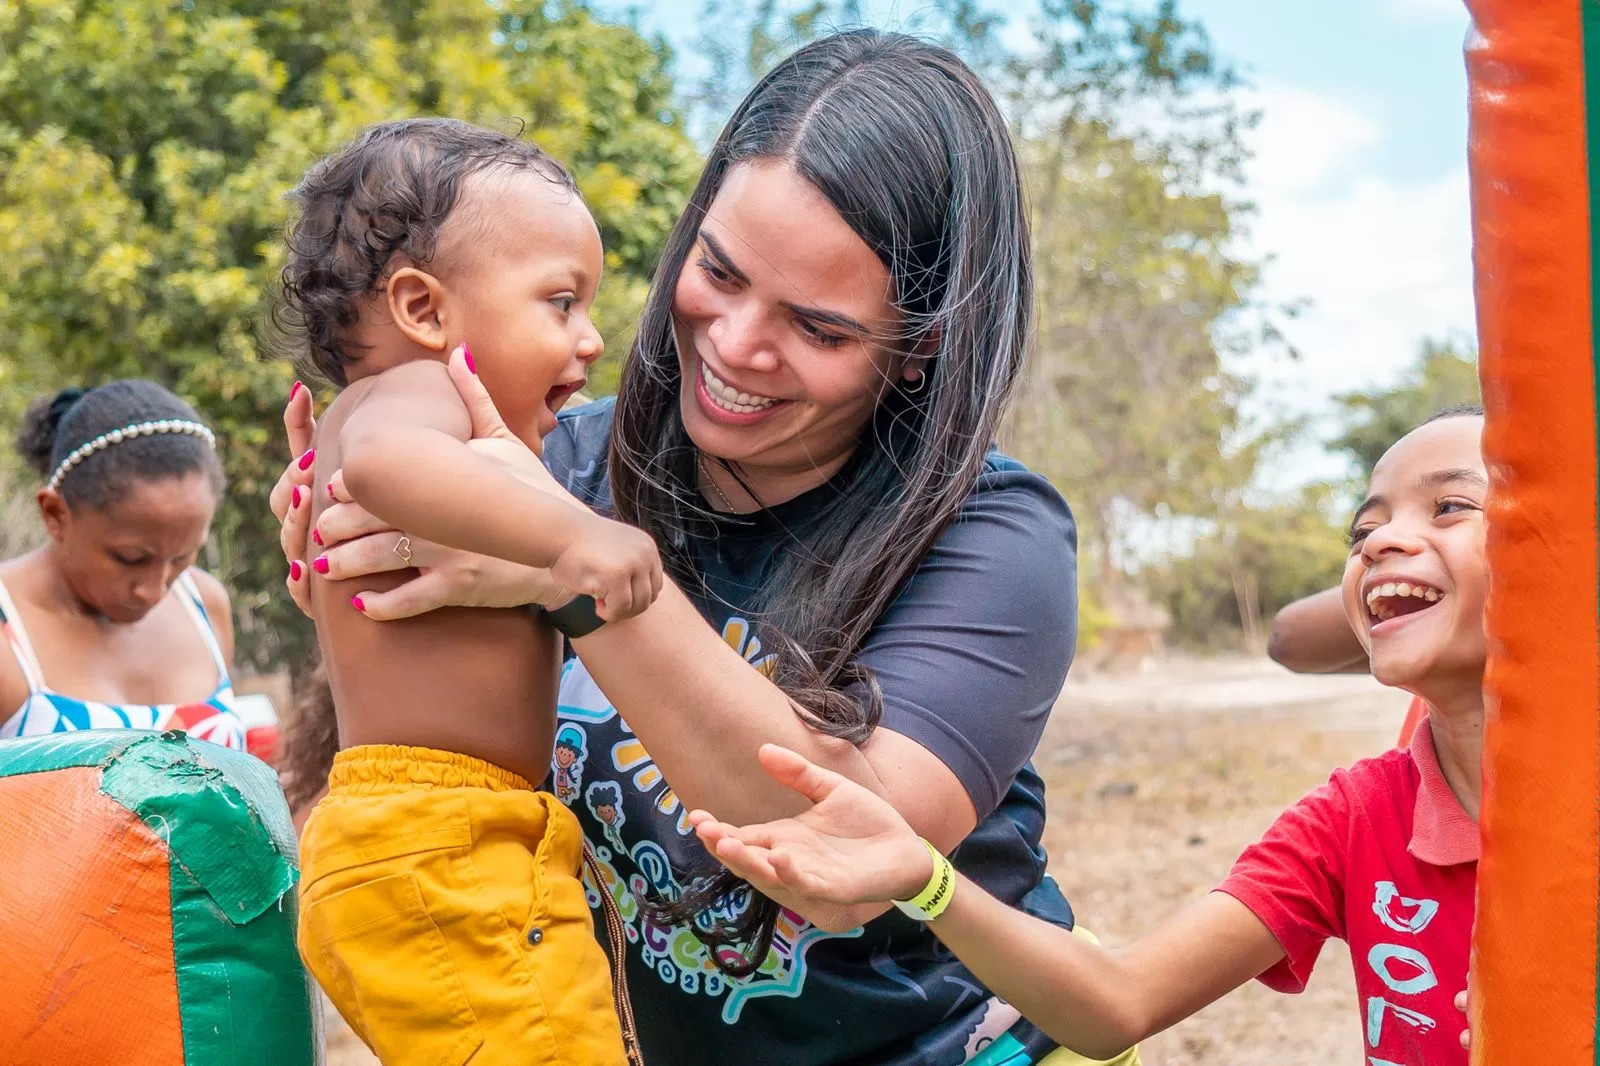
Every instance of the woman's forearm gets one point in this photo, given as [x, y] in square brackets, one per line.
[685, 692]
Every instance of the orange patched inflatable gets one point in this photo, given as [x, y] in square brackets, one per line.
[147, 904]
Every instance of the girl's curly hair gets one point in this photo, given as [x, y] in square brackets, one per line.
[389, 192]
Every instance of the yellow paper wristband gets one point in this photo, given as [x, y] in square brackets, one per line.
[928, 904]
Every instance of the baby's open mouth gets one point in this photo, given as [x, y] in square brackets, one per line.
[1395, 598]
[558, 395]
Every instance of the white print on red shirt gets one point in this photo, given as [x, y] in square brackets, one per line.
[1422, 910]
[1404, 970]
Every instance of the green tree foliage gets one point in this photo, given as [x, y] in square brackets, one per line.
[1078, 58]
[146, 147]
[1257, 559]
[20, 528]
[1131, 407]
[1444, 375]
[1131, 145]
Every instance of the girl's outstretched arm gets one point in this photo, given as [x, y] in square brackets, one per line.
[851, 847]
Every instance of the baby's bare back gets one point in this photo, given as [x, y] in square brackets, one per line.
[475, 681]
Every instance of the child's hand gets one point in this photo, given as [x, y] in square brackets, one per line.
[616, 564]
[850, 847]
[1461, 1005]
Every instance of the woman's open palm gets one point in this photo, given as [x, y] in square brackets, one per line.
[851, 847]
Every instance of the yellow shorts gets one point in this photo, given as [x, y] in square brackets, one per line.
[441, 910]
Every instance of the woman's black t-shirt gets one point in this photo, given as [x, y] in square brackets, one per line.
[970, 659]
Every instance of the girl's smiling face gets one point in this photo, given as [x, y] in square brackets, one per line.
[1416, 580]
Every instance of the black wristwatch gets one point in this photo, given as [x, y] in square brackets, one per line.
[574, 619]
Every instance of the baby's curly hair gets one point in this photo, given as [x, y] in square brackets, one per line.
[389, 192]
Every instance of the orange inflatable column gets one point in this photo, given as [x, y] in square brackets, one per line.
[1535, 111]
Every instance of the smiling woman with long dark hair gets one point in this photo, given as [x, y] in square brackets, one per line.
[805, 427]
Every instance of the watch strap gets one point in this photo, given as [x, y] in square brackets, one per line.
[576, 618]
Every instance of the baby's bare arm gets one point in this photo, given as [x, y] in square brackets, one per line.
[405, 458]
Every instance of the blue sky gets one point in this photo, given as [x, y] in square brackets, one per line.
[1397, 61]
[1359, 177]
[1361, 183]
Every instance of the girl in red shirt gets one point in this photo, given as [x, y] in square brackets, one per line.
[1384, 856]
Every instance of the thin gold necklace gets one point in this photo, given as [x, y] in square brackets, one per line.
[711, 483]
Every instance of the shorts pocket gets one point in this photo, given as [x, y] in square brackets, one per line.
[346, 832]
[385, 964]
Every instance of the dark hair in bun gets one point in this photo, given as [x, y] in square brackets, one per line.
[55, 427]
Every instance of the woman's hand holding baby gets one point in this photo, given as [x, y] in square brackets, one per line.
[291, 496]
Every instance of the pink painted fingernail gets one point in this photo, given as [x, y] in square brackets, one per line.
[308, 458]
[466, 353]
[296, 570]
[317, 538]
[331, 495]
[355, 601]
[320, 564]
[294, 390]
[294, 499]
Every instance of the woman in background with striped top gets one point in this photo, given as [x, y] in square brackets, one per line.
[108, 625]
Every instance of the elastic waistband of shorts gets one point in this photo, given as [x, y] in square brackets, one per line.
[384, 767]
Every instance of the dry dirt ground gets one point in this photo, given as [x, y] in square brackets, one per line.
[1156, 781]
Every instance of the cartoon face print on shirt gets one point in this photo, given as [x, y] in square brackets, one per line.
[566, 764]
[604, 800]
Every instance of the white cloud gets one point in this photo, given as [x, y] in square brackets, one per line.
[1305, 140]
[1384, 263]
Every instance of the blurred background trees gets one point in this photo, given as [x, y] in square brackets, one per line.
[146, 147]
[1444, 375]
[145, 150]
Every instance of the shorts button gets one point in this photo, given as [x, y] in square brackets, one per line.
[535, 935]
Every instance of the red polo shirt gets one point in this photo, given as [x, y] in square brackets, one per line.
[1414, 714]
[1385, 858]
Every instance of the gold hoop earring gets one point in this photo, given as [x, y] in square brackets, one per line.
[916, 384]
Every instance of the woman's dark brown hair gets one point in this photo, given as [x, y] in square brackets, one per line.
[902, 138]
[310, 742]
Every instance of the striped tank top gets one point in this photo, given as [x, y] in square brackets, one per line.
[47, 711]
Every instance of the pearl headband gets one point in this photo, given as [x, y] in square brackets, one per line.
[117, 436]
